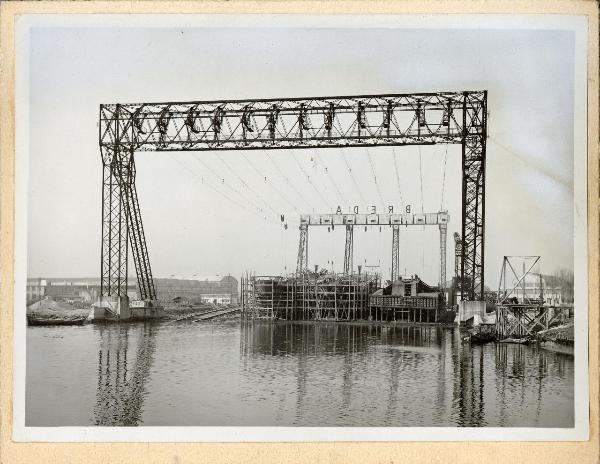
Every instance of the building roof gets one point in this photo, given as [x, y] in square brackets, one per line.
[209, 278]
[131, 279]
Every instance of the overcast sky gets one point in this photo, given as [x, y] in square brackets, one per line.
[200, 218]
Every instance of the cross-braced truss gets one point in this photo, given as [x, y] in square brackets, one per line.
[520, 308]
[355, 121]
[516, 321]
[457, 254]
[395, 252]
[443, 240]
[349, 250]
[513, 288]
[302, 261]
[122, 225]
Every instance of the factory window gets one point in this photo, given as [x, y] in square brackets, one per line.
[407, 289]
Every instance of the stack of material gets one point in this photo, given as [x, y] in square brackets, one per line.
[50, 312]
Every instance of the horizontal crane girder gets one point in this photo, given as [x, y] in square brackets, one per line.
[372, 120]
[375, 219]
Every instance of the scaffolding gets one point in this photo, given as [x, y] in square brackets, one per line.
[308, 296]
[520, 308]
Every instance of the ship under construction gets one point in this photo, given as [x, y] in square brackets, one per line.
[350, 296]
[340, 297]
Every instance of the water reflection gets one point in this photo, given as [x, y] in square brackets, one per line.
[468, 369]
[312, 339]
[418, 367]
[289, 374]
[121, 376]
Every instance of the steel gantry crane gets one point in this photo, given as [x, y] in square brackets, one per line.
[323, 122]
[394, 221]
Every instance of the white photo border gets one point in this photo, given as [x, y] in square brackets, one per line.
[580, 431]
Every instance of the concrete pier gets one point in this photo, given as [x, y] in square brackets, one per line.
[115, 309]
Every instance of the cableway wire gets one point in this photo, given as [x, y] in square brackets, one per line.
[189, 171]
[421, 179]
[245, 184]
[444, 179]
[236, 191]
[422, 207]
[352, 177]
[288, 182]
[322, 182]
[277, 191]
[217, 191]
[375, 177]
[310, 181]
[330, 176]
[539, 167]
[397, 177]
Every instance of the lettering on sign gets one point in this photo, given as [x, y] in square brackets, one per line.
[372, 209]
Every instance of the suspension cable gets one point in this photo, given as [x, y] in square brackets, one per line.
[245, 184]
[277, 191]
[202, 181]
[444, 179]
[374, 177]
[421, 178]
[322, 181]
[352, 177]
[330, 176]
[397, 177]
[233, 189]
[287, 180]
[310, 181]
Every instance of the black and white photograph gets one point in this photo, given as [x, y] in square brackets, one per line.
[278, 227]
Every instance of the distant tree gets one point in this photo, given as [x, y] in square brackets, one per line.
[565, 279]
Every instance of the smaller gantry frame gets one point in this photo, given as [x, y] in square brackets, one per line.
[521, 310]
[395, 221]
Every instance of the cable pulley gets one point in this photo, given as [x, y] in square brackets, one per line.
[272, 120]
[360, 115]
[139, 121]
[329, 117]
[217, 120]
[190, 120]
[246, 119]
[387, 116]
[163, 120]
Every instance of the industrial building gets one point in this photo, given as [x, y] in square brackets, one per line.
[195, 289]
[198, 289]
[72, 290]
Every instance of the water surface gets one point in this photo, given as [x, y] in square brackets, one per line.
[289, 374]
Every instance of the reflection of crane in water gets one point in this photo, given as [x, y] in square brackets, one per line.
[468, 401]
[120, 390]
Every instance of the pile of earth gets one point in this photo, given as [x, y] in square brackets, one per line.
[51, 309]
[564, 333]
